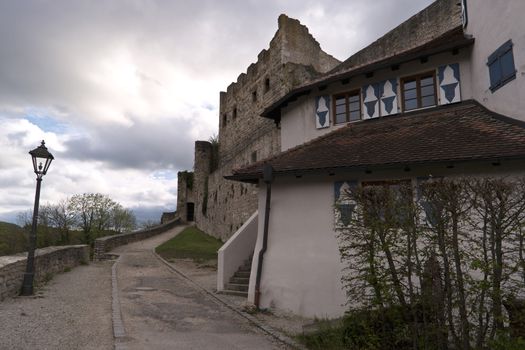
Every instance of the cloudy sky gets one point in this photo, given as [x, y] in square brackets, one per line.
[119, 90]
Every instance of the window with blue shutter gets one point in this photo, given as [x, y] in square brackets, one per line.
[448, 81]
[322, 112]
[389, 97]
[344, 202]
[371, 96]
[501, 66]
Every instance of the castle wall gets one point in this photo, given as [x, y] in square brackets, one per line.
[185, 194]
[203, 154]
[293, 58]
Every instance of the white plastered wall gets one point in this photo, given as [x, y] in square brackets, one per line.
[492, 23]
[298, 119]
[302, 270]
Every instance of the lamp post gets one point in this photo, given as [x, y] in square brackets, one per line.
[41, 162]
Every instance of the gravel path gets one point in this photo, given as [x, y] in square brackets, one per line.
[162, 310]
[73, 311]
[206, 276]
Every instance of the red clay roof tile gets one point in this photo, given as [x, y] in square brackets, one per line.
[458, 132]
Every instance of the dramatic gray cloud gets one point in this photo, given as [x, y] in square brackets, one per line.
[121, 89]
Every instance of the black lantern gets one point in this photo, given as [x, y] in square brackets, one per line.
[41, 159]
[41, 162]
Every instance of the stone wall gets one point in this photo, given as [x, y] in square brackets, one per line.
[48, 261]
[167, 216]
[222, 206]
[294, 57]
[105, 244]
[428, 24]
[185, 193]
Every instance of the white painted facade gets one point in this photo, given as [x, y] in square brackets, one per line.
[302, 270]
[492, 23]
[236, 250]
[298, 123]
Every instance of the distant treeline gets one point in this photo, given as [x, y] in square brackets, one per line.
[76, 220]
[13, 239]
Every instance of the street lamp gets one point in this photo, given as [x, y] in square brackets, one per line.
[41, 162]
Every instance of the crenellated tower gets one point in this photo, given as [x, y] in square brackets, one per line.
[293, 58]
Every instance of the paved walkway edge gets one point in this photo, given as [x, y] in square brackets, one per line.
[119, 332]
[267, 329]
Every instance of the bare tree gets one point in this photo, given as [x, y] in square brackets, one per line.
[103, 211]
[123, 220]
[453, 260]
[62, 218]
[83, 208]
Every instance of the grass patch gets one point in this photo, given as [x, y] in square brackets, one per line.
[329, 336]
[191, 243]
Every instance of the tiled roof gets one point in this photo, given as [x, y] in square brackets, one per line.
[435, 29]
[464, 131]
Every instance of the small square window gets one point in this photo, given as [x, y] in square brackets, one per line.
[501, 66]
[419, 91]
[347, 107]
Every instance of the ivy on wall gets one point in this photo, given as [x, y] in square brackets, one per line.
[214, 157]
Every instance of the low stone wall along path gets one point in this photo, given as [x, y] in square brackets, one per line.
[134, 302]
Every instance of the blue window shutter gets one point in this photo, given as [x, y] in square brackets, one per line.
[344, 203]
[501, 66]
[428, 208]
[322, 112]
[388, 97]
[371, 94]
[507, 65]
[495, 74]
[449, 84]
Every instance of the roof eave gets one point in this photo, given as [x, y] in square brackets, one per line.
[274, 110]
[255, 176]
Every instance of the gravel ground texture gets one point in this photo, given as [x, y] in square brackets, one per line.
[72, 311]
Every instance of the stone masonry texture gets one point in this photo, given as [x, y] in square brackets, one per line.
[48, 261]
[222, 206]
[421, 28]
[107, 243]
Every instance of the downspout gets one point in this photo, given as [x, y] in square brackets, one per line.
[267, 178]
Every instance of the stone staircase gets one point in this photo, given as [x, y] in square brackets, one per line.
[240, 280]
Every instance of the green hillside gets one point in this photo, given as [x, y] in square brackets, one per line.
[13, 239]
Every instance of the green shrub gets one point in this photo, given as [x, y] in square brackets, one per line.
[13, 239]
[366, 329]
[328, 337]
[503, 341]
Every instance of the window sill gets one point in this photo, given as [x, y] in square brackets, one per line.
[419, 109]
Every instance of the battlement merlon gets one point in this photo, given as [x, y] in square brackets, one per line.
[300, 47]
[292, 43]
